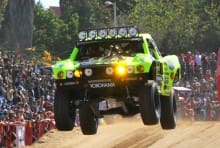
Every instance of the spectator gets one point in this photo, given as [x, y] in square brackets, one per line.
[213, 61]
[198, 62]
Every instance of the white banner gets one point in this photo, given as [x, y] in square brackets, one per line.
[20, 133]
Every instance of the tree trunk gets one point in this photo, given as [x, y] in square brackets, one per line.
[18, 25]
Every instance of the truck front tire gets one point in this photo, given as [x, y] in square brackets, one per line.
[64, 114]
[168, 111]
[149, 104]
[88, 120]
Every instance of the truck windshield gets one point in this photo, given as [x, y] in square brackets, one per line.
[110, 48]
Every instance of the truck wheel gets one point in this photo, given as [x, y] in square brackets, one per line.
[150, 104]
[168, 111]
[88, 120]
[64, 115]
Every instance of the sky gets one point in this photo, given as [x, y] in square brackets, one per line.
[48, 3]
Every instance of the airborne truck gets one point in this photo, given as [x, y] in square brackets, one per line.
[117, 65]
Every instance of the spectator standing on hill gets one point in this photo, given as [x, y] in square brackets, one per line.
[205, 63]
[198, 62]
[213, 61]
[190, 64]
[182, 59]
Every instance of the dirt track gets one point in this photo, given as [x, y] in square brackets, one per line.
[130, 132]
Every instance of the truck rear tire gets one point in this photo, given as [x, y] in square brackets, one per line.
[149, 104]
[88, 120]
[64, 115]
[168, 111]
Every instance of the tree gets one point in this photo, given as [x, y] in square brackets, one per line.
[208, 36]
[92, 13]
[3, 4]
[17, 25]
[179, 25]
[46, 28]
[52, 33]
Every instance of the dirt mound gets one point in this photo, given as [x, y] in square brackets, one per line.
[121, 132]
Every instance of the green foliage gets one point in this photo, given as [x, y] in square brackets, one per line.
[180, 25]
[3, 4]
[17, 27]
[51, 32]
[46, 27]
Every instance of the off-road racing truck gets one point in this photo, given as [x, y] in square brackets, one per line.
[117, 64]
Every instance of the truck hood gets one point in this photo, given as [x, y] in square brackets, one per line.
[113, 60]
[68, 64]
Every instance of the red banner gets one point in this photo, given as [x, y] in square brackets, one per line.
[14, 134]
[218, 76]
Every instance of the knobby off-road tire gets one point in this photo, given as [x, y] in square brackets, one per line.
[63, 113]
[150, 104]
[88, 120]
[168, 111]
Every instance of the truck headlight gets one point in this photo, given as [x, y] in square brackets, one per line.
[60, 74]
[88, 72]
[130, 69]
[109, 70]
[69, 74]
[77, 73]
[140, 68]
[121, 70]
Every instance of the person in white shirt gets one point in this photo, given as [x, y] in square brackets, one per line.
[198, 64]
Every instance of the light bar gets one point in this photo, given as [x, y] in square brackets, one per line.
[82, 35]
[133, 31]
[102, 33]
[92, 34]
[108, 33]
[112, 32]
[122, 32]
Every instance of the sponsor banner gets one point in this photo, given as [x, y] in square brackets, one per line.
[20, 133]
[102, 85]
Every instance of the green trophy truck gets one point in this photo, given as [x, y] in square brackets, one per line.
[118, 67]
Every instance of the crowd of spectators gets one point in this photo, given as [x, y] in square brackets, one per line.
[199, 76]
[26, 92]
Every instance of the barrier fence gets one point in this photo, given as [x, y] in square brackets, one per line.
[14, 134]
[192, 111]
